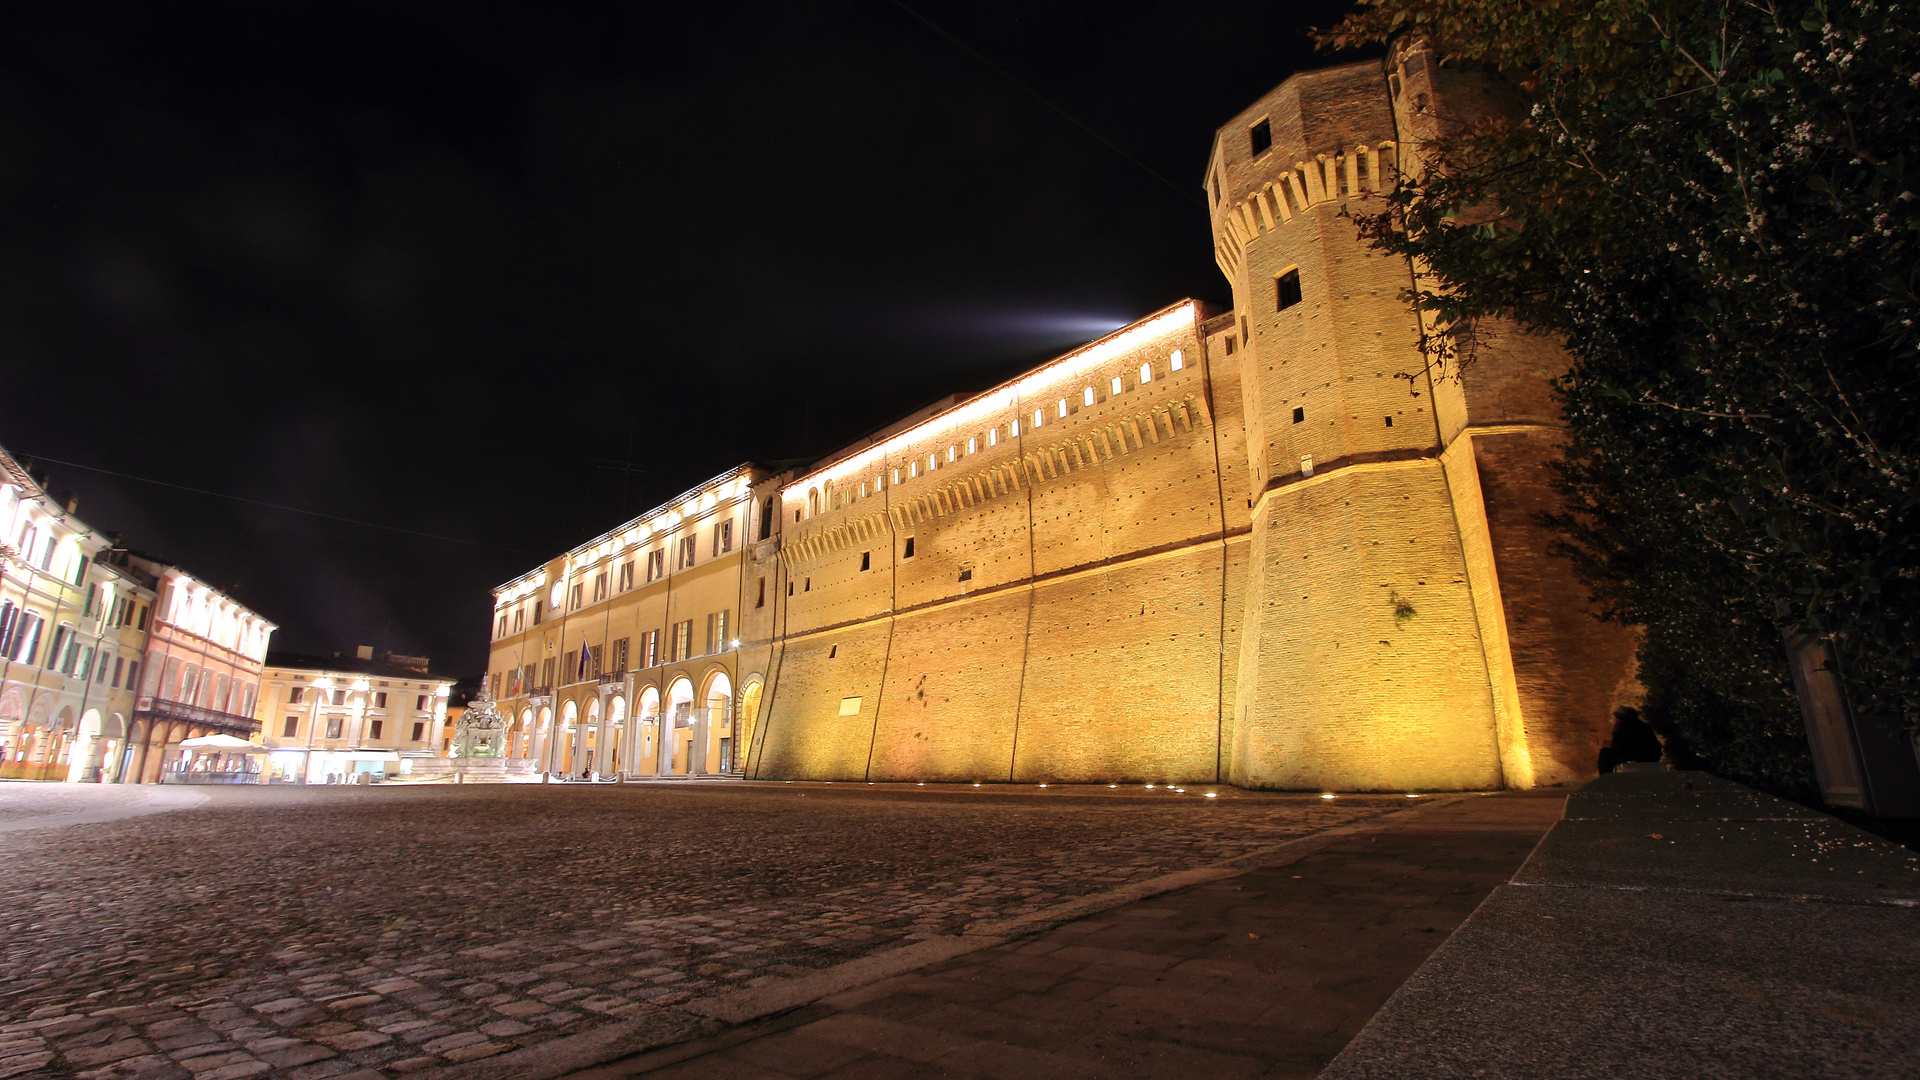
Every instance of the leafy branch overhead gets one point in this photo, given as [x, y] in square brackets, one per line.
[1710, 204]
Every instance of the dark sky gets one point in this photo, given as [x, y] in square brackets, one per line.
[446, 266]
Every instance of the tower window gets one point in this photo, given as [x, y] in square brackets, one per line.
[1389, 421]
[1300, 416]
[1086, 397]
[906, 551]
[1287, 289]
[1177, 361]
[1117, 388]
[1261, 137]
[866, 560]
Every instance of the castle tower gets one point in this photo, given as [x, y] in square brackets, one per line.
[1404, 627]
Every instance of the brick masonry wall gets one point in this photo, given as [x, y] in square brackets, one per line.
[1087, 642]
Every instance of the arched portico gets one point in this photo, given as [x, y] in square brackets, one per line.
[713, 727]
[646, 754]
[747, 720]
[613, 730]
[542, 736]
[561, 754]
[676, 728]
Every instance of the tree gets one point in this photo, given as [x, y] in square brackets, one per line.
[1709, 204]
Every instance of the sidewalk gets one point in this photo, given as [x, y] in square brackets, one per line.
[1265, 974]
[1674, 924]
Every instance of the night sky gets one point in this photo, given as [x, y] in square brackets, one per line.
[511, 274]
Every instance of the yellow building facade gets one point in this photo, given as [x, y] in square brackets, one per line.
[625, 654]
[1269, 545]
[338, 719]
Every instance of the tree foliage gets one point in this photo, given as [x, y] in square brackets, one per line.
[1710, 204]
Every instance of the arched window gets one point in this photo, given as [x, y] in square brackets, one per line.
[1146, 373]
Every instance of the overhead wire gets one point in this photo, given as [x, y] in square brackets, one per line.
[37, 458]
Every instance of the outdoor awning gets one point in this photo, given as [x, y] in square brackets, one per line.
[224, 744]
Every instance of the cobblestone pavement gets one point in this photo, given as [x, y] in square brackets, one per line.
[313, 932]
[26, 801]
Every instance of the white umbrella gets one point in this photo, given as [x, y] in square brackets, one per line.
[222, 742]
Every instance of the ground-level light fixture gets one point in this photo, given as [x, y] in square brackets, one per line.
[1327, 795]
[1213, 794]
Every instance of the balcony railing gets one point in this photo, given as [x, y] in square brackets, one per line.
[161, 709]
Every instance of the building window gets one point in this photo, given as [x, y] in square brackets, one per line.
[1063, 406]
[501, 630]
[546, 674]
[682, 640]
[650, 649]
[1013, 429]
[973, 444]
[1287, 289]
[538, 611]
[1039, 415]
[1086, 398]
[723, 537]
[1228, 342]
[789, 588]
[762, 600]
[373, 729]
[333, 726]
[600, 586]
[519, 619]
[1117, 388]
[380, 699]
[766, 517]
[576, 594]
[339, 697]
[290, 728]
[717, 631]
[419, 731]
[1260, 136]
[993, 437]
[1177, 361]
[133, 673]
[626, 575]
[687, 552]
[1299, 415]
[866, 560]
[1146, 374]
[295, 693]
[120, 663]
[593, 664]
[906, 551]
[656, 565]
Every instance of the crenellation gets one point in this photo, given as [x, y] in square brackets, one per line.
[1269, 545]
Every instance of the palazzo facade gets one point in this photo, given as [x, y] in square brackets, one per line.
[1269, 545]
[109, 658]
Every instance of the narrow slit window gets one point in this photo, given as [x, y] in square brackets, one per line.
[973, 444]
[1063, 406]
[1013, 429]
[1300, 415]
[1389, 421]
[906, 551]
[1287, 289]
[1039, 415]
[866, 560]
[993, 437]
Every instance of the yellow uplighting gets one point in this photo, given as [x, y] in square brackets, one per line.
[1002, 397]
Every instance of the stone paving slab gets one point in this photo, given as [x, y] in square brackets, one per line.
[35, 804]
[1825, 858]
[1694, 797]
[316, 932]
[1702, 952]
[1266, 973]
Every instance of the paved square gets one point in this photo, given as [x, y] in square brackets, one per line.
[314, 932]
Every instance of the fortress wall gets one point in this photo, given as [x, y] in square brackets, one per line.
[1572, 670]
[1085, 643]
[953, 690]
[1123, 673]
